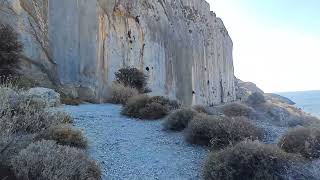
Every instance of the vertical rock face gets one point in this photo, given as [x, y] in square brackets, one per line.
[183, 47]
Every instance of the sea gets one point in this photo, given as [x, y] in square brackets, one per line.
[309, 101]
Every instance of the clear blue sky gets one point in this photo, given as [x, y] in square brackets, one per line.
[276, 42]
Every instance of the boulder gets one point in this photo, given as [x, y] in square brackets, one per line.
[44, 95]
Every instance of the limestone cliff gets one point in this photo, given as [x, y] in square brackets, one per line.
[183, 47]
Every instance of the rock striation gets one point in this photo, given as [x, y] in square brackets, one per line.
[79, 44]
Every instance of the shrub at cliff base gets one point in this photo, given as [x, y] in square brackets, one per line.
[132, 77]
[248, 160]
[119, 93]
[65, 135]
[10, 49]
[179, 119]
[145, 107]
[200, 109]
[236, 109]
[256, 99]
[305, 141]
[220, 131]
[22, 120]
[47, 160]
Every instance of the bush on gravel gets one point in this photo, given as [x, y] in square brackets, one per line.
[179, 119]
[256, 99]
[248, 160]
[145, 107]
[220, 131]
[48, 160]
[200, 109]
[236, 109]
[119, 93]
[132, 77]
[305, 141]
[65, 135]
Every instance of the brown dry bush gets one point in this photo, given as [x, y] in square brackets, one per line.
[236, 109]
[145, 107]
[179, 119]
[256, 99]
[220, 131]
[248, 160]
[65, 135]
[132, 77]
[200, 109]
[153, 111]
[119, 93]
[47, 160]
[305, 141]
[168, 103]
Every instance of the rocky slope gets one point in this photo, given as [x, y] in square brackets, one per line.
[183, 47]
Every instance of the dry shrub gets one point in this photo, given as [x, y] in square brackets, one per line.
[65, 135]
[10, 49]
[220, 131]
[248, 160]
[132, 108]
[132, 77]
[119, 93]
[145, 107]
[168, 103]
[305, 141]
[153, 111]
[236, 109]
[179, 119]
[200, 109]
[47, 160]
[256, 99]
[10, 146]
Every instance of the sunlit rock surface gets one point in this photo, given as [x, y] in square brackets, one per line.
[183, 47]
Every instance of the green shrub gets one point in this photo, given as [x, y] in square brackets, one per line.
[119, 93]
[248, 160]
[220, 131]
[132, 77]
[10, 49]
[236, 109]
[65, 135]
[179, 119]
[145, 107]
[47, 160]
[305, 141]
[256, 99]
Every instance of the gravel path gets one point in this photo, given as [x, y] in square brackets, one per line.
[134, 149]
